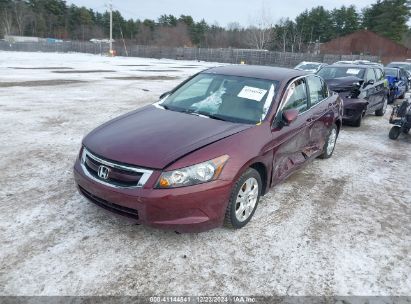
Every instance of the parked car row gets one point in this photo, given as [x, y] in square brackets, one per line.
[362, 87]
[366, 87]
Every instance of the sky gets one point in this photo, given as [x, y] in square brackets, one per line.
[221, 12]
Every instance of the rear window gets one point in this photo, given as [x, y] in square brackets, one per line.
[405, 66]
[337, 72]
[308, 66]
[391, 72]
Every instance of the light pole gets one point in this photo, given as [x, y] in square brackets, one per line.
[111, 28]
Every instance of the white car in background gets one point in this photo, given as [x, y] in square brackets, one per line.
[312, 67]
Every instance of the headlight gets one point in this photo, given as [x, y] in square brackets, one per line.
[196, 174]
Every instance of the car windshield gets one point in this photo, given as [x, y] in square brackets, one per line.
[229, 98]
[308, 66]
[391, 72]
[405, 66]
[337, 72]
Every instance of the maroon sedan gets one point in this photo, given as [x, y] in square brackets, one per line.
[203, 155]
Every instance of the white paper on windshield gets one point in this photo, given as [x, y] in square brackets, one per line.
[252, 93]
[353, 71]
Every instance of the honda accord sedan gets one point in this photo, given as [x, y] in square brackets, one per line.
[203, 155]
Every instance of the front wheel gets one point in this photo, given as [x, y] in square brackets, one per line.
[357, 122]
[243, 200]
[330, 142]
[394, 132]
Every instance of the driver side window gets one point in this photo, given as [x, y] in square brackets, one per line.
[296, 96]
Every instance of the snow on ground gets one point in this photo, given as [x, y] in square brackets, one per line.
[338, 227]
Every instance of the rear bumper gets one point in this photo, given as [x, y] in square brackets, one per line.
[188, 209]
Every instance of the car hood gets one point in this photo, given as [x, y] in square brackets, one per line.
[154, 138]
[342, 84]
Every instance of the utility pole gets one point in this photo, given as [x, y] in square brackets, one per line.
[111, 28]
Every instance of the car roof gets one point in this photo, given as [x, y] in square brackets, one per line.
[354, 65]
[309, 62]
[400, 62]
[257, 71]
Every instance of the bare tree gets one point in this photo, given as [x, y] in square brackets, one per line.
[6, 21]
[20, 12]
[261, 30]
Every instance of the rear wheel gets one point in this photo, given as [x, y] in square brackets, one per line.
[394, 132]
[391, 98]
[243, 200]
[381, 112]
[329, 144]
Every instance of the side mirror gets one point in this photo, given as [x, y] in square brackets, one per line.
[289, 116]
[357, 84]
[370, 82]
[164, 95]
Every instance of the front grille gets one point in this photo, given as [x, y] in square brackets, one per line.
[116, 175]
[109, 206]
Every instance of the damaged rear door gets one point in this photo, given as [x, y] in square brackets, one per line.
[322, 114]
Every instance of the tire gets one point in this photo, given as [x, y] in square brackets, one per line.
[245, 186]
[391, 98]
[381, 112]
[357, 122]
[330, 142]
[394, 132]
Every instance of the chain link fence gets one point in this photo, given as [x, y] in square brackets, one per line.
[228, 55]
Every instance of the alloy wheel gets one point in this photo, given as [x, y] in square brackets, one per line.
[247, 198]
[332, 138]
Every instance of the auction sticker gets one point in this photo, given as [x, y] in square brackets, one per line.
[252, 93]
[353, 71]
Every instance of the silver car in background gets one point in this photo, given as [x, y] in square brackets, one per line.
[312, 67]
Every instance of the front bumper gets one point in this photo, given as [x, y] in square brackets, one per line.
[188, 209]
[353, 109]
[351, 114]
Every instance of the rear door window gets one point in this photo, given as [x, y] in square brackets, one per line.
[317, 89]
[370, 75]
[378, 74]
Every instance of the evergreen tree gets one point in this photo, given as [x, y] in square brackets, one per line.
[388, 18]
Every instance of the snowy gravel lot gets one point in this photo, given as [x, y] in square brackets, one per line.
[338, 227]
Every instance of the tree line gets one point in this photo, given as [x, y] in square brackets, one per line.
[57, 19]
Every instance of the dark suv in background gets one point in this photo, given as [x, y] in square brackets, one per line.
[363, 88]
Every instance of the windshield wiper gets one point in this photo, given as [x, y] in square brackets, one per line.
[195, 112]
[212, 116]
